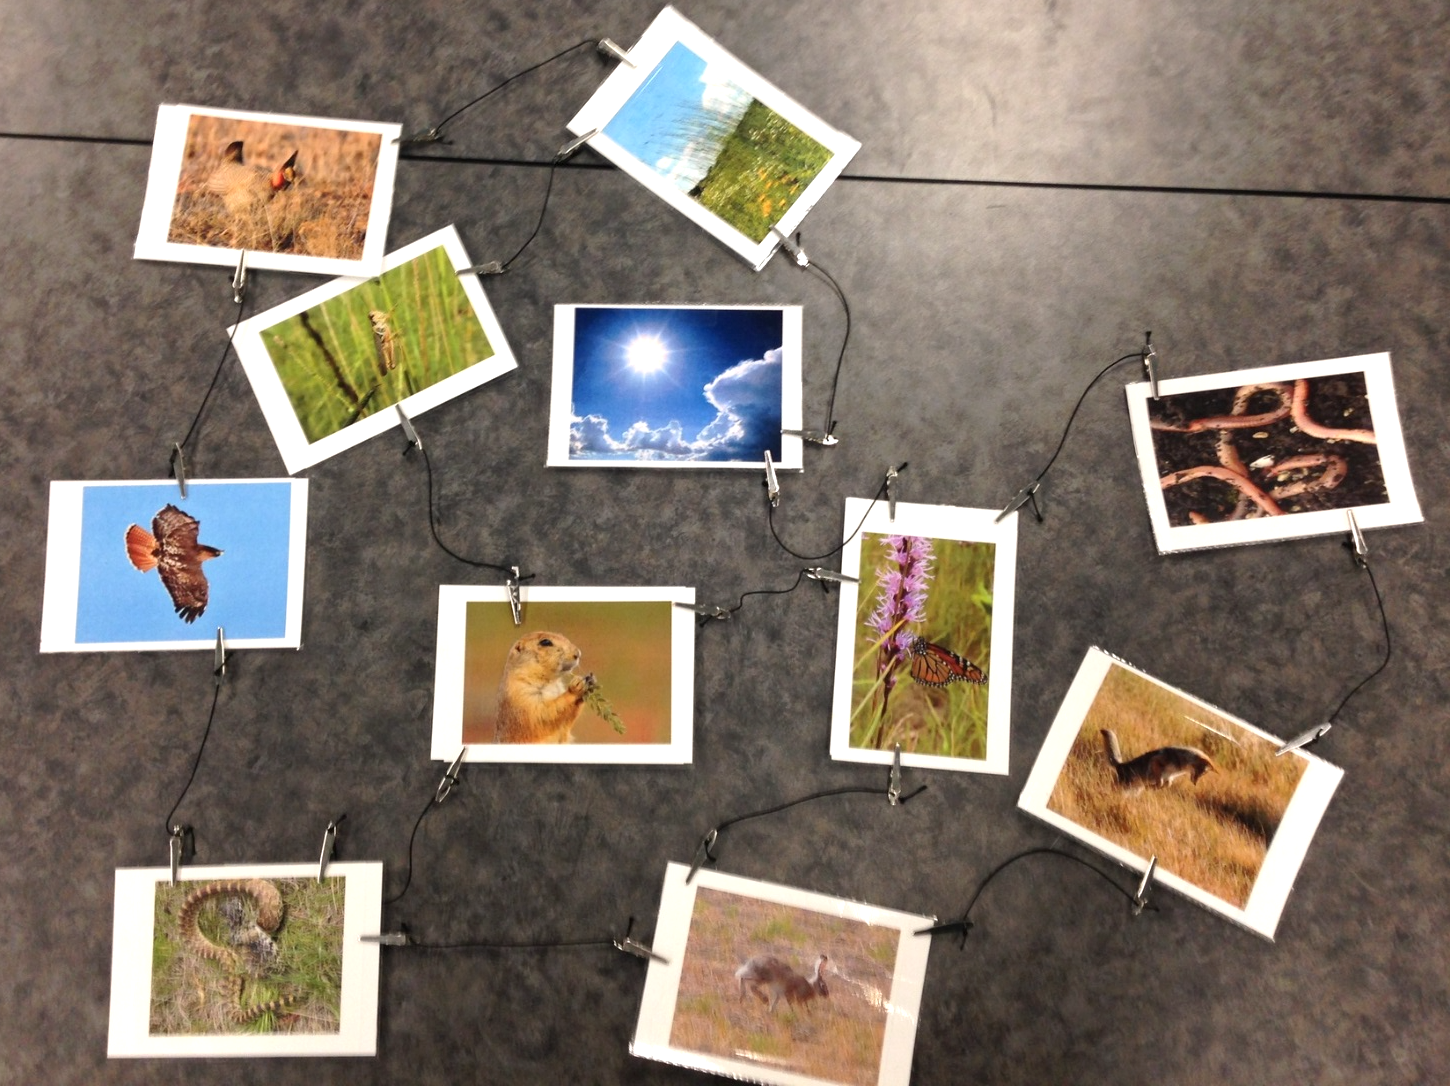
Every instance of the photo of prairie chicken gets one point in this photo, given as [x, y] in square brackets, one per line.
[244, 188]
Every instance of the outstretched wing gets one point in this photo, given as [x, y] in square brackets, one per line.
[933, 665]
[178, 559]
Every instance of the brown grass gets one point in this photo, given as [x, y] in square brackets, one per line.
[838, 1038]
[324, 213]
[1213, 834]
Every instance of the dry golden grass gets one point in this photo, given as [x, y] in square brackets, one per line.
[1213, 834]
[325, 211]
[838, 1038]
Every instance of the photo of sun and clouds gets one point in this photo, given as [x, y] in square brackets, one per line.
[660, 386]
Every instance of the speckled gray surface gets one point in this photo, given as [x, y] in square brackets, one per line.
[980, 312]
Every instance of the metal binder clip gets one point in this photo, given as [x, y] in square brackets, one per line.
[772, 484]
[445, 786]
[703, 853]
[1140, 896]
[792, 247]
[389, 938]
[635, 947]
[1150, 363]
[329, 846]
[818, 573]
[893, 788]
[891, 475]
[516, 603]
[815, 437]
[1303, 739]
[610, 49]
[493, 267]
[239, 279]
[574, 144]
[422, 135]
[180, 835]
[219, 657]
[1356, 542]
[704, 610]
[1027, 495]
[178, 467]
[414, 441]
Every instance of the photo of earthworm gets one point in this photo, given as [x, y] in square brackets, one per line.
[1267, 449]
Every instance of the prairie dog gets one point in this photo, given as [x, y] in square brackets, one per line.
[539, 696]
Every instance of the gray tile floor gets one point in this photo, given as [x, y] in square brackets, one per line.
[1037, 186]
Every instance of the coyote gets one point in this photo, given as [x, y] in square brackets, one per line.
[1158, 768]
[770, 978]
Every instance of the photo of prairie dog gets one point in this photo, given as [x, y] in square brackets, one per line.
[539, 696]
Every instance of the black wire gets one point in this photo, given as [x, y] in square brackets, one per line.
[226, 352]
[411, 838]
[433, 527]
[1389, 648]
[1068, 428]
[548, 189]
[211, 716]
[770, 516]
[840, 358]
[438, 128]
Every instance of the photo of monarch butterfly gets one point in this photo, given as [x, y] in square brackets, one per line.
[933, 665]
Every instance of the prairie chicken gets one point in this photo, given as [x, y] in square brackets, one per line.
[244, 188]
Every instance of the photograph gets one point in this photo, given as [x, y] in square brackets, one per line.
[330, 366]
[1278, 452]
[772, 984]
[712, 138]
[306, 194]
[245, 960]
[134, 565]
[602, 675]
[924, 639]
[1137, 769]
[676, 386]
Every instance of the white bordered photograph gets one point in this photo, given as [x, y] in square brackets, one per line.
[676, 386]
[924, 640]
[601, 675]
[1274, 452]
[330, 366]
[304, 194]
[713, 139]
[1136, 769]
[134, 565]
[766, 983]
[246, 960]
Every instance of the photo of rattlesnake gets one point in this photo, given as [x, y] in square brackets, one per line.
[253, 948]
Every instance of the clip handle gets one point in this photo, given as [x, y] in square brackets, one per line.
[772, 483]
[516, 603]
[703, 853]
[893, 786]
[1027, 494]
[450, 778]
[1140, 896]
[414, 441]
[614, 52]
[388, 938]
[793, 247]
[1303, 739]
[570, 148]
[1150, 363]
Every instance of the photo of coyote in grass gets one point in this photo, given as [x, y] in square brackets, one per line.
[923, 645]
[255, 956]
[273, 187]
[1159, 774]
[791, 988]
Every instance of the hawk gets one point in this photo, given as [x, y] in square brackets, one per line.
[171, 549]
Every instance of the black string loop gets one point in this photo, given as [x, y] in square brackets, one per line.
[1389, 647]
[507, 571]
[770, 517]
[830, 425]
[196, 762]
[1136, 355]
[180, 447]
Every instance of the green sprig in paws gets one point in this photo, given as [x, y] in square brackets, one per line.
[599, 704]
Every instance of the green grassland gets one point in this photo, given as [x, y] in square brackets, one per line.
[948, 720]
[329, 362]
[1214, 833]
[763, 166]
[195, 995]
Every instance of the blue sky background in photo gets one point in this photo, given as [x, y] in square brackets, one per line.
[249, 522]
[716, 394]
[677, 119]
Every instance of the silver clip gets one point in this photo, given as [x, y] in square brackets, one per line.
[422, 135]
[329, 846]
[705, 610]
[178, 467]
[1303, 739]
[1027, 494]
[574, 144]
[390, 938]
[1150, 363]
[445, 786]
[635, 947]
[792, 247]
[893, 788]
[414, 441]
[891, 474]
[219, 657]
[702, 853]
[772, 484]
[1356, 541]
[493, 267]
[178, 834]
[239, 279]
[1140, 897]
[819, 573]
[609, 49]
[815, 437]
[516, 604]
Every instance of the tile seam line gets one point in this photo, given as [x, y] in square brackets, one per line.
[878, 179]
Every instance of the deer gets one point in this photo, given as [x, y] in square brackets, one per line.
[1157, 768]
[769, 979]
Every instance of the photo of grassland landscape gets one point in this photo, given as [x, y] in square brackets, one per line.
[923, 602]
[242, 188]
[736, 157]
[727, 981]
[1197, 790]
[254, 956]
[380, 342]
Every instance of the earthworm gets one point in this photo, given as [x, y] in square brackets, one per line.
[1233, 478]
[1299, 409]
[1236, 419]
[1335, 469]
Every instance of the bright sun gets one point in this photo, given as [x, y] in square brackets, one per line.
[646, 354]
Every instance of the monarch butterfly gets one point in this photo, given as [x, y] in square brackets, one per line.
[932, 665]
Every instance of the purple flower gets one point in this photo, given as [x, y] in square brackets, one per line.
[901, 602]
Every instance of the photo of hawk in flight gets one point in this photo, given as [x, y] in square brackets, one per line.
[171, 549]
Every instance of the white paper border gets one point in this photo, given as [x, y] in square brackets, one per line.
[662, 982]
[668, 28]
[164, 175]
[453, 603]
[1286, 851]
[135, 907]
[1402, 507]
[937, 522]
[297, 452]
[561, 402]
[63, 571]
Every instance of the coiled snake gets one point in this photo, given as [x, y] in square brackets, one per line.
[257, 938]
